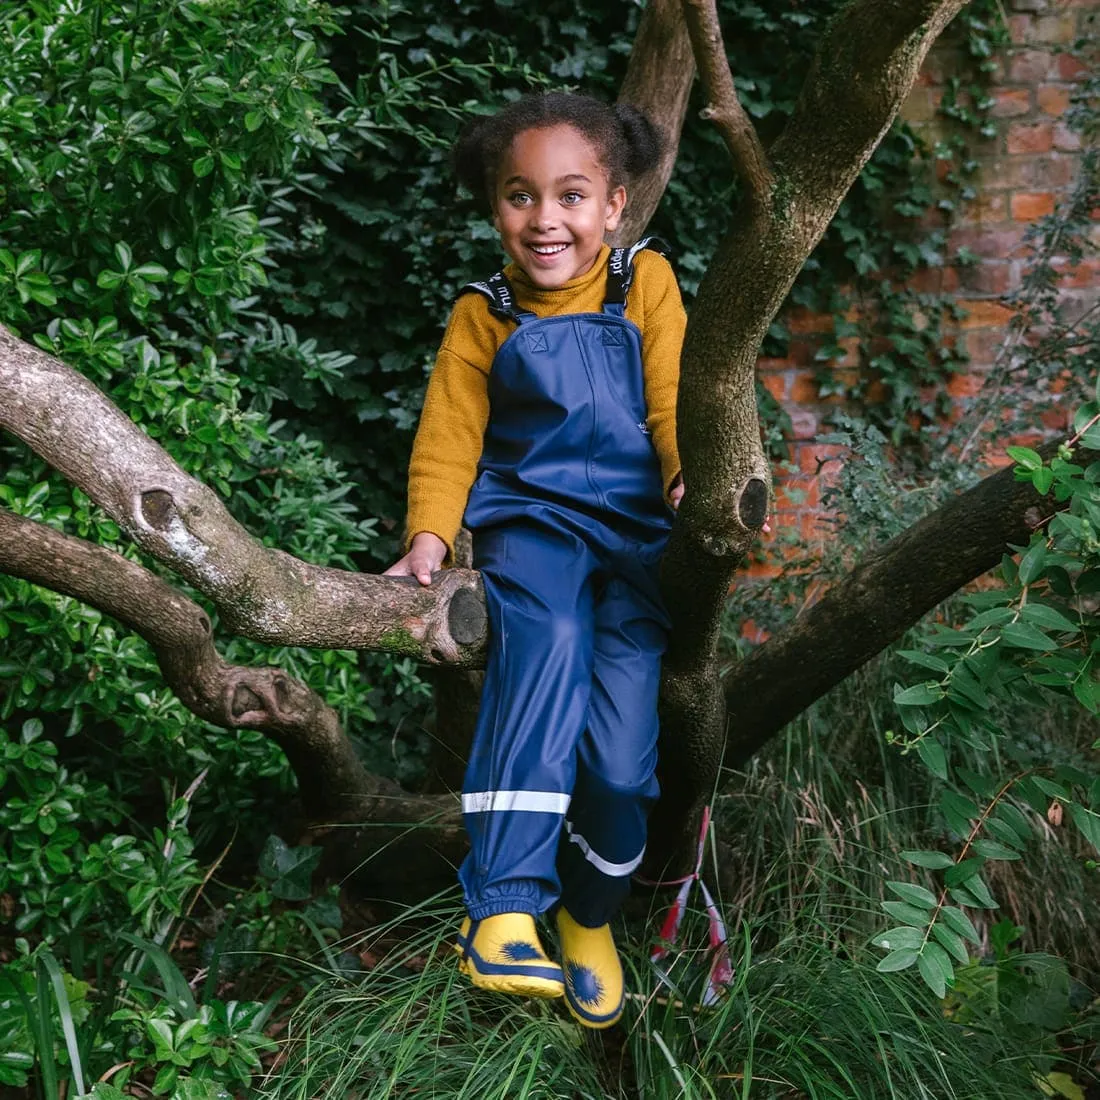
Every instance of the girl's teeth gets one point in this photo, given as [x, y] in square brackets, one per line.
[548, 250]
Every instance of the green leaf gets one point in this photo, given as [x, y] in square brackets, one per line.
[203, 165]
[103, 1091]
[925, 660]
[1088, 822]
[898, 939]
[1085, 693]
[995, 616]
[65, 1014]
[951, 942]
[253, 120]
[957, 875]
[1025, 457]
[1042, 480]
[1031, 564]
[1047, 617]
[124, 255]
[959, 922]
[913, 894]
[898, 960]
[925, 858]
[919, 695]
[980, 892]
[1004, 833]
[289, 869]
[160, 1031]
[1084, 414]
[108, 279]
[990, 849]
[44, 296]
[28, 261]
[165, 1079]
[932, 756]
[959, 810]
[155, 273]
[1022, 635]
[1050, 788]
[907, 914]
[936, 969]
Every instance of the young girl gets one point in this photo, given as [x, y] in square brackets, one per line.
[549, 429]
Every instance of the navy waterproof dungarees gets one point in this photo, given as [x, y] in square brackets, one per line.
[569, 520]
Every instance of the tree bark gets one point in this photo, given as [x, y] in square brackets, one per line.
[658, 82]
[866, 64]
[262, 594]
[886, 593]
[332, 782]
[864, 67]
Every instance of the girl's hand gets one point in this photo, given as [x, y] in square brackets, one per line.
[424, 558]
[676, 493]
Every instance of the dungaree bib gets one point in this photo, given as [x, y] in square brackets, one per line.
[569, 519]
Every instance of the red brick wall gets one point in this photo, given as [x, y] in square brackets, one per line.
[1024, 168]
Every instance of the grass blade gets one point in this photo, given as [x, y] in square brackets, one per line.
[65, 1013]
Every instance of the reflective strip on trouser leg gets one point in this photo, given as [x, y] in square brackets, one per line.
[534, 705]
[604, 837]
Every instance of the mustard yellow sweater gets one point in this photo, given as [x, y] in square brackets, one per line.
[456, 408]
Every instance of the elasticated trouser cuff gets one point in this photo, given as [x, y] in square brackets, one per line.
[493, 907]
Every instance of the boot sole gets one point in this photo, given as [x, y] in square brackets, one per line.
[516, 985]
[592, 1022]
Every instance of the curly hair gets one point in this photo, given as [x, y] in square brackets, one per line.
[625, 141]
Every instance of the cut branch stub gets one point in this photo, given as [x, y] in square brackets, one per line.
[157, 508]
[752, 509]
[245, 701]
[466, 617]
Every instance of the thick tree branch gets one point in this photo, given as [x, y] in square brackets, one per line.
[864, 67]
[332, 782]
[885, 594]
[723, 107]
[260, 593]
[658, 82]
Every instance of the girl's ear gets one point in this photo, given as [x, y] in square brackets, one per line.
[616, 200]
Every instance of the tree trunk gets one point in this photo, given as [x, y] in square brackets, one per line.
[865, 66]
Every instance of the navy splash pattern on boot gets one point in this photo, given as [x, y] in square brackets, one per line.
[584, 985]
[518, 951]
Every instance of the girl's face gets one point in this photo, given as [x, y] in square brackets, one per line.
[552, 204]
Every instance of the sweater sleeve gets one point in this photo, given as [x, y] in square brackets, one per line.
[449, 439]
[662, 322]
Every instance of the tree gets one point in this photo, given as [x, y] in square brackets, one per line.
[866, 63]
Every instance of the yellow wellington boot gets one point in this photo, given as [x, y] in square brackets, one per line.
[594, 990]
[503, 954]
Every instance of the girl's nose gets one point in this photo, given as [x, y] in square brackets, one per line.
[543, 215]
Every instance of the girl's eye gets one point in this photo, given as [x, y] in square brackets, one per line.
[571, 198]
[519, 198]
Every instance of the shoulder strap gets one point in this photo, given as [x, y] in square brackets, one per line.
[620, 268]
[501, 296]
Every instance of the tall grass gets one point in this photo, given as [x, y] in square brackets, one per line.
[800, 1020]
[809, 833]
[814, 826]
